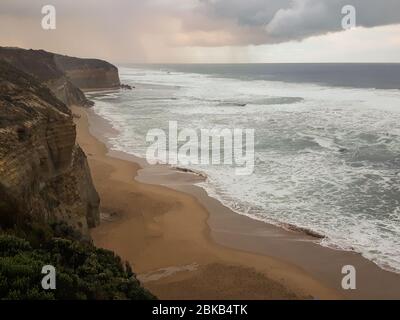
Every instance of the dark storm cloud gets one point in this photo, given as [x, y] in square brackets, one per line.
[287, 20]
[250, 12]
[306, 18]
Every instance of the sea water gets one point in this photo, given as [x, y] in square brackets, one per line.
[327, 141]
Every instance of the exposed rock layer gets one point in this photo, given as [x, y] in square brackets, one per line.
[89, 74]
[65, 76]
[43, 173]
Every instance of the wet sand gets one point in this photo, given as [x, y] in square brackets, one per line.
[186, 245]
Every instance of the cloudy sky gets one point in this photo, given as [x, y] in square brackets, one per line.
[208, 30]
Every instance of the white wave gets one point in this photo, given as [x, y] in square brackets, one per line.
[327, 158]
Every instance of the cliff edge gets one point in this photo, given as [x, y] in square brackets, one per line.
[89, 74]
[44, 174]
[65, 76]
[47, 198]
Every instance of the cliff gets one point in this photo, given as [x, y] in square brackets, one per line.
[89, 74]
[47, 198]
[65, 76]
[44, 174]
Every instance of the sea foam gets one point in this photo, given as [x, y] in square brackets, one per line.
[327, 158]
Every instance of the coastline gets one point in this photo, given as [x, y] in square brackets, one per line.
[216, 254]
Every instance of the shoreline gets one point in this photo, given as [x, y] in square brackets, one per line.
[306, 269]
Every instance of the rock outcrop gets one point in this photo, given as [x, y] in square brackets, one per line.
[43, 172]
[65, 76]
[126, 86]
[89, 74]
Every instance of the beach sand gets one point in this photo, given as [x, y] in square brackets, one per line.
[183, 244]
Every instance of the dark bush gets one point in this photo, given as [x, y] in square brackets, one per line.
[82, 271]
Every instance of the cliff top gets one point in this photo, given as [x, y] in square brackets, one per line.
[65, 76]
[22, 96]
[68, 63]
[48, 66]
[39, 63]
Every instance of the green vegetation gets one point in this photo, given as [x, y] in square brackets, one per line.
[83, 271]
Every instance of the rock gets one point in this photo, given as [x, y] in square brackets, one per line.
[89, 74]
[126, 87]
[65, 76]
[43, 172]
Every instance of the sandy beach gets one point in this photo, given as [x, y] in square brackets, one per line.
[200, 151]
[185, 245]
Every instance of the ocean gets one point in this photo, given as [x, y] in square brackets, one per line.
[327, 141]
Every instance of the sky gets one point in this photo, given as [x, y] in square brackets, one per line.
[207, 31]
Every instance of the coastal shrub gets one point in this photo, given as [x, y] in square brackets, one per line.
[82, 271]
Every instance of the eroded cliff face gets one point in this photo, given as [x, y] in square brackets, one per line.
[89, 74]
[65, 91]
[43, 172]
[41, 65]
[65, 76]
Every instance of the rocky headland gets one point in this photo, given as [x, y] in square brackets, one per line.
[48, 200]
[65, 76]
[44, 173]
